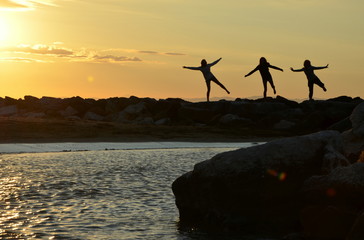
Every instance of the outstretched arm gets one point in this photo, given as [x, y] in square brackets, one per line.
[192, 68]
[213, 63]
[318, 68]
[296, 70]
[277, 68]
[253, 71]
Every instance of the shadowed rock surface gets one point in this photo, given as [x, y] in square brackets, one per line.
[311, 184]
[270, 117]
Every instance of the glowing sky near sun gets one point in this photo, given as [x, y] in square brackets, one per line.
[110, 48]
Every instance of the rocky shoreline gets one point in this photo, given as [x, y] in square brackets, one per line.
[307, 180]
[305, 187]
[134, 119]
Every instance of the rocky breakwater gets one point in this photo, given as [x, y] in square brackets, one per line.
[262, 117]
[311, 185]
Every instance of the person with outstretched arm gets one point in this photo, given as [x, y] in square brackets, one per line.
[308, 69]
[205, 68]
[263, 68]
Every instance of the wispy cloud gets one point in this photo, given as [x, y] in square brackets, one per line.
[40, 49]
[115, 59]
[11, 4]
[22, 5]
[19, 60]
[174, 54]
[57, 51]
[149, 52]
[161, 53]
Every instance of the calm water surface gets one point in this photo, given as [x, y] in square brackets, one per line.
[123, 194]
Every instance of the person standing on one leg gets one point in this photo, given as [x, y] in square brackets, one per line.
[308, 69]
[205, 68]
[263, 68]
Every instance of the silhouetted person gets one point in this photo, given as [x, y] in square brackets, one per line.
[311, 77]
[263, 68]
[205, 69]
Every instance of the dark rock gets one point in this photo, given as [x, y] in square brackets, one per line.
[134, 112]
[264, 117]
[69, 111]
[357, 120]
[164, 109]
[314, 121]
[333, 159]
[287, 102]
[344, 186]
[241, 109]
[357, 231]
[146, 121]
[30, 104]
[50, 103]
[341, 99]
[31, 99]
[284, 125]
[327, 222]
[113, 105]
[8, 110]
[34, 115]
[265, 108]
[234, 120]
[163, 121]
[274, 186]
[354, 138]
[10, 101]
[199, 115]
[79, 104]
[255, 110]
[341, 126]
[257, 187]
[93, 116]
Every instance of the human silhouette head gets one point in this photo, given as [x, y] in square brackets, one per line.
[263, 60]
[203, 63]
[307, 63]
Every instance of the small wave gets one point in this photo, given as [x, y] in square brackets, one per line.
[7, 148]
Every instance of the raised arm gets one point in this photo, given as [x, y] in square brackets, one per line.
[318, 68]
[192, 68]
[296, 70]
[253, 71]
[213, 63]
[277, 68]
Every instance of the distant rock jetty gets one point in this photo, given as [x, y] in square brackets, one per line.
[304, 187]
[275, 116]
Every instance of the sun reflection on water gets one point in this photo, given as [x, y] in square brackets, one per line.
[12, 219]
[92, 195]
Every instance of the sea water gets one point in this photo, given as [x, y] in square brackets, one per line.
[103, 194]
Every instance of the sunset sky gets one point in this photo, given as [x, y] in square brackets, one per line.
[120, 48]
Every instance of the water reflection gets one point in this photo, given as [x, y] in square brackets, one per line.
[93, 195]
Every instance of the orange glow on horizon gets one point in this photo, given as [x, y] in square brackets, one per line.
[52, 48]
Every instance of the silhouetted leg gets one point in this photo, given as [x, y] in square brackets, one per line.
[265, 88]
[208, 85]
[321, 84]
[220, 84]
[272, 85]
[310, 89]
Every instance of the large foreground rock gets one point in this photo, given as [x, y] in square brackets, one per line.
[256, 188]
[334, 204]
[301, 184]
[354, 138]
